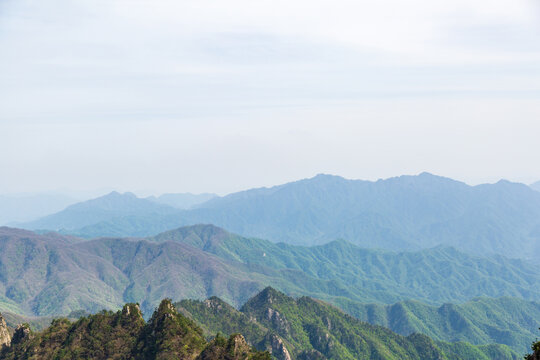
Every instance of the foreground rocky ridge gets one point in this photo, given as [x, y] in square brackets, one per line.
[125, 335]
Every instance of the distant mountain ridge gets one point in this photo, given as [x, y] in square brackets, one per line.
[407, 212]
[100, 209]
[182, 201]
[536, 186]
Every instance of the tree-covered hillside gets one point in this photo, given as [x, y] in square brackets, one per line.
[311, 329]
[509, 321]
[52, 275]
[125, 335]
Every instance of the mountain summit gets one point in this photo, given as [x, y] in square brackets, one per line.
[91, 212]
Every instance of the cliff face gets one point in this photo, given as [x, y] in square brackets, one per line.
[5, 338]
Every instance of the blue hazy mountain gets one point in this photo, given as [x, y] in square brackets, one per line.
[104, 208]
[536, 186]
[182, 200]
[17, 208]
[406, 212]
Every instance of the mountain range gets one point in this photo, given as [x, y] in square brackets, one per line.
[536, 186]
[403, 213]
[55, 275]
[311, 329]
[271, 322]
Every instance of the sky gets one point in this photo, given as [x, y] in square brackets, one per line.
[219, 96]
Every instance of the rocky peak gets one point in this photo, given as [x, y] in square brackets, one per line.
[132, 310]
[214, 303]
[235, 348]
[166, 307]
[22, 332]
[5, 338]
[238, 345]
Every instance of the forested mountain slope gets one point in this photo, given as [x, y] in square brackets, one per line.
[509, 321]
[51, 274]
[311, 329]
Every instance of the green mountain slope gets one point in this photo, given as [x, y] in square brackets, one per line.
[509, 321]
[49, 275]
[433, 275]
[404, 213]
[311, 329]
[125, 335]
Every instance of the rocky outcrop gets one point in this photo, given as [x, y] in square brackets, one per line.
[5, 338]
[22, 333]
[235, 348]
[311, 355]
[277, 348]
[278, 321]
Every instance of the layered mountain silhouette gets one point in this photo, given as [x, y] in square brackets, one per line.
[407, 212]
[57, 275]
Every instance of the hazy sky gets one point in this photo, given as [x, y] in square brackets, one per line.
[174, 96]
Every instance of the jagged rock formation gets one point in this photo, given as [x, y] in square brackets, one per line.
[277, 347]
[5, 338]
[22, 333]
[125, 335]
[236, 348]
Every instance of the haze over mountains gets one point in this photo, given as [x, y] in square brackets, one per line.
[536, 186]
[407, 212]
[182, 201]
[18, 208]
